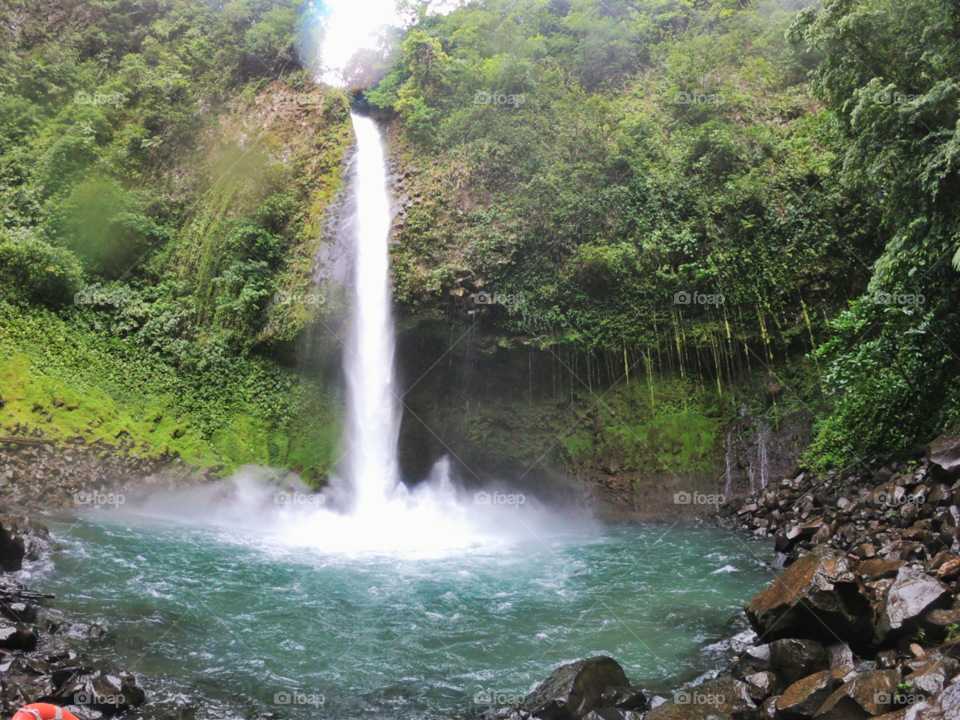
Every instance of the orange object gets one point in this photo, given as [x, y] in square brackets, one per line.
[44, 711]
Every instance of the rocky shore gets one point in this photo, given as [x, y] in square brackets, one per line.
[863, 623]
[44, 656]
[37, 472]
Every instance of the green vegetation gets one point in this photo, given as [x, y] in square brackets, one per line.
[601, 157]
[791, 173]
[164, 171]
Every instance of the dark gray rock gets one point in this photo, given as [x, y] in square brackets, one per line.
[794, 659]
[804, 698]
[624, 698]
[761, 684]
[11, 551]
[16, 636]
[842, 667]
[819, 597]
[868, 695]
[572, 691]
[944, 456]
[613, 714]
[724, 697]
[912, 593]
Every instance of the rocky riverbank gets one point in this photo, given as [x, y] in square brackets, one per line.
[44, 656]
[863, 623]
[36, 472]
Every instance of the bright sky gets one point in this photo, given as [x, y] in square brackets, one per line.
[353, 24]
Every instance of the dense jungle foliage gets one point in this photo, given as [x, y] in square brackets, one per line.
[690, 189]
[601, 157]
[158, 195]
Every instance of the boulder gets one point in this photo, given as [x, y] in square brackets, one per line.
[573, 690]
[819, 597]
[761, 684]
[933, 676]
[949, 570]
[866, 696]
[98, 687]
[912, 593]
[34, 536]
[872, 570]
[722, 698]
[944, 456]
[754, 659]
[946, 706]
[842, 667]
[613, 714]
[16, 636]
[11, 551]
[936, 622]
[793, 659]
[624, 697]
[804, 698]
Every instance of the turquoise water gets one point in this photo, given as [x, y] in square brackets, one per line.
[224, 621]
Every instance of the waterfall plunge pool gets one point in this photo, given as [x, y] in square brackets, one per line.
[222, 621]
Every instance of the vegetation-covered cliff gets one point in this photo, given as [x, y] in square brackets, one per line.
[164, 171]
[710, 224]
[615, 163]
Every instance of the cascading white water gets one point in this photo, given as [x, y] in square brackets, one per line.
[385, 517]
[373, 423]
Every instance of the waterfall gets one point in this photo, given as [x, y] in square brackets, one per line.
[373, 426]
[366, 507]
[728, 487]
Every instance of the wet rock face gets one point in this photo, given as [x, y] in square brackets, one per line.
[803, 699]
[869, 695]
[724, 697]
[944, 455]
[623, 697]
[38, 658]
[794, 658]
[945, 706]
[574, 690]
[16, 636]
[819, 597]
[47, 475]
[912, 593]
[12, 550]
